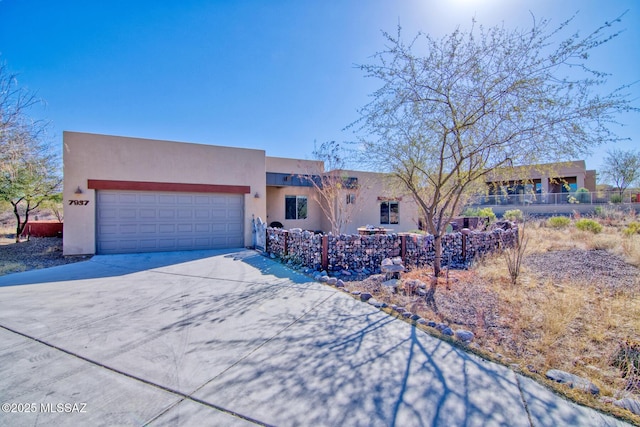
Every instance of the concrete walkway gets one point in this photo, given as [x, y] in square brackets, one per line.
[215, 338]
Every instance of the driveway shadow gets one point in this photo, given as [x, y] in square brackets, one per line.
[100, 266]
[269, 266]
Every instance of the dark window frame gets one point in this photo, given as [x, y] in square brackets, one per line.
[296, 207]
[390, 212]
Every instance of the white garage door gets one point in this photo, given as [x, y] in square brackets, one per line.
[145, 221]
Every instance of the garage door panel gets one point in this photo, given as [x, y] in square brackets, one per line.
[202, 242]
[167, 228]
[234, 228]
[138, 221]
[127, 198]
[148, 244]
[202, 214]
[128, 229]
[166, 213]
[108, 213]
[148, 228]
[128, 244]
[233, 211]
[105, 230]
[107, 197]
[149, 199]
[219, 228]
[185, 228]
[127, 213]
[202, 228]
[185, 213]
[148, 213]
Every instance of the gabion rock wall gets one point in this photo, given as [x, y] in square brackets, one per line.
[364, 254]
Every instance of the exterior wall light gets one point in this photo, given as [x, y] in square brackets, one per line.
[78, 190]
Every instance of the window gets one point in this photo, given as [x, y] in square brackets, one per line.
[295, 207]
[351, 199]
[389, 212]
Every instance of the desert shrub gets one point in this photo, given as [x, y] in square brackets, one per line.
[513, 215]
[558, 222]
[481, 212]
[582, 195]
[631, 249]
[514, 254]
[627, 359]
[632, 228]
[615, 198]
[585, 224]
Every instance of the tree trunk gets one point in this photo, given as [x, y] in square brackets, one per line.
[437, 260]
[20, 226]
[431, 294]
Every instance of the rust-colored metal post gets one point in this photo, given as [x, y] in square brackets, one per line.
[403, 248]
[325, 252]
[465, 235]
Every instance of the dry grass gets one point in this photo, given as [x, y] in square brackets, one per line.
[573, 317]
[630, 247]
[570, 323]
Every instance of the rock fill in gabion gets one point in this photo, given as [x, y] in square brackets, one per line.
[363, 254]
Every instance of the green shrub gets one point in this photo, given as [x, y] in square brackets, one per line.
[513, 215]
[582, 195]
[585, 224]
[632, 228]
[558, 222]
[481, 212]
[615, 198]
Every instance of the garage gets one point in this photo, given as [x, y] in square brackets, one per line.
[153, 221]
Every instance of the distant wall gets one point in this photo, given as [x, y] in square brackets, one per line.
[43, 229]
[365, 253]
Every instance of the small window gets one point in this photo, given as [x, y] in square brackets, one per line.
[351, 199]
[389, 213]
[295, 207]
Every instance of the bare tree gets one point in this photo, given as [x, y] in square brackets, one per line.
[14, 101]
[451, 110]
[622, 168]
[29, 169]
[335, 191]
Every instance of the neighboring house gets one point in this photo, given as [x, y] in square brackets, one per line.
[538, 183]
[126, 194]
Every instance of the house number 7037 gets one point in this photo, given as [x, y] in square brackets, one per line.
[79, 202]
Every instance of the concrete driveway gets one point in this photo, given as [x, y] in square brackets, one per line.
[232, 338]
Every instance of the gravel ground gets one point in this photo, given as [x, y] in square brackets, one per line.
[34, 254]
[595, 267]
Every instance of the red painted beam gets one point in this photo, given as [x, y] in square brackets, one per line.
[101, 184]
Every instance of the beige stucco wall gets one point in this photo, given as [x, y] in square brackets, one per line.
[276, 195]
[276, 208]
[367, 207]
[366, 210]
[293, 166]
[91, 156]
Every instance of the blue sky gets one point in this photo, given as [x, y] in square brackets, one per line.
[273, 75]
